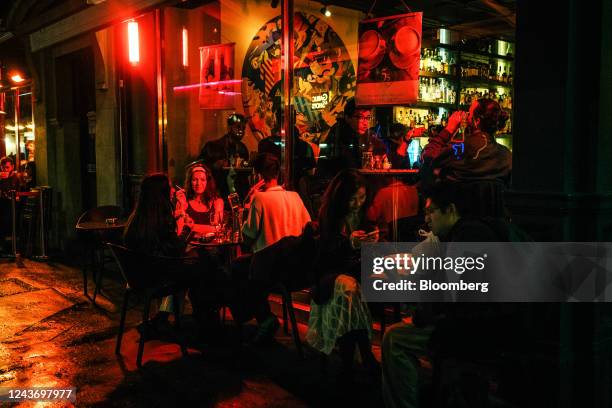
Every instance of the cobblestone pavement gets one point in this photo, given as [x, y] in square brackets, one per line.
[51, 335]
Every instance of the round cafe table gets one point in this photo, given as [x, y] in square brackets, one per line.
[100, 225]
[229, 248]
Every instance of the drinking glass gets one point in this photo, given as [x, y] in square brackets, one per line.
[215, 221]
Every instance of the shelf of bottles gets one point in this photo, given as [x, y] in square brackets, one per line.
[452, 76]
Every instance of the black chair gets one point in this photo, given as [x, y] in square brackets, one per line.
[148, 276]
[287, 306]
[406, 229]
[94, 244]
[397, 316]
[483, 198]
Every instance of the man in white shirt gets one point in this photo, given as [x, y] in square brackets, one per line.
[274, 212]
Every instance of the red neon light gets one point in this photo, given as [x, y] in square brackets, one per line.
[185, 48]
[230, 93]
[192, 86]
[133, 43]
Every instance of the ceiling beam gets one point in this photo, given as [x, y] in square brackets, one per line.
[88, 20]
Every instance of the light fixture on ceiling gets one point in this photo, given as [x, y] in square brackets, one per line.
[325, 11]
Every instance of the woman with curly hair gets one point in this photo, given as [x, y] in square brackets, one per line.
[200, 201]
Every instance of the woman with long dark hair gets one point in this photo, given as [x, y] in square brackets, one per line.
[200, 201]
[152, 227]
[155, 228]
[338, 314]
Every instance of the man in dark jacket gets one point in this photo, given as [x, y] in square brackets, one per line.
[222, 152]
[346, 141]
[440, 326]
[473, 155]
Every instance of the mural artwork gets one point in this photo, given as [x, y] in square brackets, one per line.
[389, 57]
[324, 77]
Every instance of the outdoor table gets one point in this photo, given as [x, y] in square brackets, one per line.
[229, 248]
[100, 226]
[100, 232]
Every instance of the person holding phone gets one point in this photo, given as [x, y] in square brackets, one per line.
[338, 314]
[199, 202]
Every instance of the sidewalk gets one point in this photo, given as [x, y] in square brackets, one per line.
[51, 335]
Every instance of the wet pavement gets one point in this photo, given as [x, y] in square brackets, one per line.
[51, 335]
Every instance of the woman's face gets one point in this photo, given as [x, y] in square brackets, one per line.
[198, 182]
[357, 200]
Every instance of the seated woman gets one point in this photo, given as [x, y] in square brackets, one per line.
[200, 201]
[338, 314]
[153, 230]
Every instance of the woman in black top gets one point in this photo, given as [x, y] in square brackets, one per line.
[338, 314]
[153, 230]
[201, 201]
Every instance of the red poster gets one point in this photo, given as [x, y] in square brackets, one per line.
[217, 89]
[389, 58]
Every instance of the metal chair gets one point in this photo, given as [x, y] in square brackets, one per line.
[94, 244]
[148, 276]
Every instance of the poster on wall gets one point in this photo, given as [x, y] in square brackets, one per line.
[389, 57]
[216, 75]
[324, 77]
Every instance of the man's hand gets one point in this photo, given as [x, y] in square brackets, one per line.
[454, 121]
[256, 187]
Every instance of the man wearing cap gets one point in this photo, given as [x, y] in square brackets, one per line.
[222, 152]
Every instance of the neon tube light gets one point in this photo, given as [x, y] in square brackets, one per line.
[192, 86]
[133, 46]
[185, 48]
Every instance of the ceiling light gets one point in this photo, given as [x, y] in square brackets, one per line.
[325, 11]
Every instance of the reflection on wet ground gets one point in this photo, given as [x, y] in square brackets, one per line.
[53, 336]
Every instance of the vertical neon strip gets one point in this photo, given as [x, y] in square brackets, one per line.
[185, 48]
[133, 46]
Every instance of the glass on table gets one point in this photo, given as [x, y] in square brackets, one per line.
[215, 222]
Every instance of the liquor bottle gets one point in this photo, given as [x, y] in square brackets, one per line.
[504, 76]
[510, 75]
